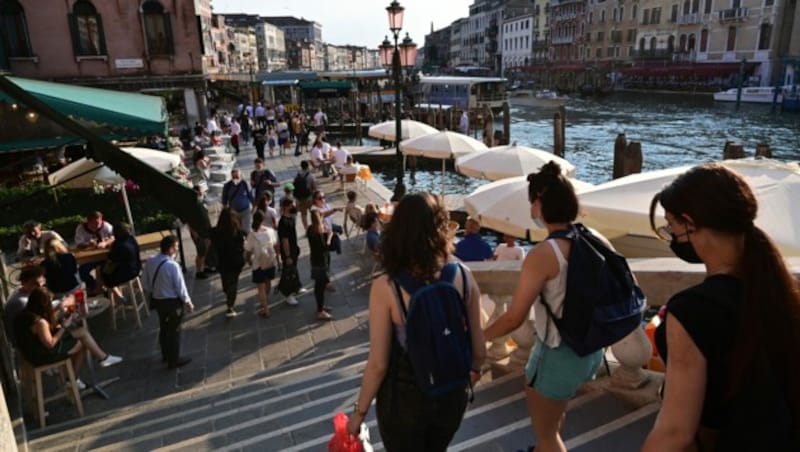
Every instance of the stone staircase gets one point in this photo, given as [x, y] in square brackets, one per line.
[291, 409]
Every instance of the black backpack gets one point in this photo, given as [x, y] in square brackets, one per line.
[602, 303]
[301, 188]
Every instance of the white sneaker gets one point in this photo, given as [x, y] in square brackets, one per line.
[292, 301]
[81, 385]
[230, 313]
[302, 291]
[110, 360]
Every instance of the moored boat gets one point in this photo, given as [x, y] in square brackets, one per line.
[541, 98]
[751, 94]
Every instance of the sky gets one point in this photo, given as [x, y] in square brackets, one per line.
[356, 22]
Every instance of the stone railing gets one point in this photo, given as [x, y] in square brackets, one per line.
[659, 279]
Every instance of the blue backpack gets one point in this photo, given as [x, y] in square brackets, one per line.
[602, 303]
[438, 342]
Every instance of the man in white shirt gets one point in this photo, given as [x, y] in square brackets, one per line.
[509, 250]
[211, 125]
[319, 121]
[34, 239]
[93, 234]
[261, 115]
[236, 130]
[320, 153]
[163, 281]
[340, 155]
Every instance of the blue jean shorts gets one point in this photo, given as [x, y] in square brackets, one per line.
[556, 373]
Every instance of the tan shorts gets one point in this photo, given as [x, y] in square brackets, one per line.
[303, 205]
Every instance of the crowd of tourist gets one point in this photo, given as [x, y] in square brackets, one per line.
[747, 308]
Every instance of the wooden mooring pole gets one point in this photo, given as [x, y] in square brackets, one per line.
[619, 155]
[558, 135]
[732, 151]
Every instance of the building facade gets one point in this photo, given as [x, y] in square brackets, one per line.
[518, 39]
[305, 49]
[152, 45]
[271, 47]
[437, 48]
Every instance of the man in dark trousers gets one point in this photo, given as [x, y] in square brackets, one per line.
[163, 281]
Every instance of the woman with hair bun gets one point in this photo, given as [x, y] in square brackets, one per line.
[730, 342]
[554, 371]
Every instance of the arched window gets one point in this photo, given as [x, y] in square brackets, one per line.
[641, 45]
[633, 13]
[157, 29]
[686, 6]
[682, 47]
[704, 40]
[653, 44]
[691, 44]
[14, 30]
[86, 28]
[671, 44]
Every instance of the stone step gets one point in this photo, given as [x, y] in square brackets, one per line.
[293, 410]
[281, 383]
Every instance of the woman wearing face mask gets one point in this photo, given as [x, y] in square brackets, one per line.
[554, 371]
[730, 343]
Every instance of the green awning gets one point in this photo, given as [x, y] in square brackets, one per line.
[128, 114]
[325, 85]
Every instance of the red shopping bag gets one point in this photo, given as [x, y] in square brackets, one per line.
[343, 441]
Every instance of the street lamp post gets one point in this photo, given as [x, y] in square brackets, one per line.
[397, 57]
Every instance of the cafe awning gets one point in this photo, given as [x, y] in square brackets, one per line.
[128, 114]
[325, 85]
[25, 113]
[280, 82]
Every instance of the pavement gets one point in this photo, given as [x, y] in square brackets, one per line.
[227, 351]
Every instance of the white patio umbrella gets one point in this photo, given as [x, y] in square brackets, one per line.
[503, 206]
[442, 145]
[84, 172]
[501, 162]
[409, 129]
[622, 207]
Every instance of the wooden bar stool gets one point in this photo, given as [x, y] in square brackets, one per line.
[138, 302]
[31, 374]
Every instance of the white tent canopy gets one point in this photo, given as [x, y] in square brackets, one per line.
[83, 173]
[409, 129]
[501, 162]
[622, 206]
[503, 206]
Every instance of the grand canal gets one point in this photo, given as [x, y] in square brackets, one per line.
[673, 129]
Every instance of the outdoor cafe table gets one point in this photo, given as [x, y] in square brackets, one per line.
[146, 242]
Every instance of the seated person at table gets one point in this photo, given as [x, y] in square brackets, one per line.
[340, 156]
[373, 234]
[509, 250]
[60, 268]
[320, 157]
[30, 278]
[123, 264]
[44, 337]
[352, 212]
[472, 247]
[93, 234]
[33, 239]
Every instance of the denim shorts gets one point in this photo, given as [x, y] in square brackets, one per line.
[556, 373]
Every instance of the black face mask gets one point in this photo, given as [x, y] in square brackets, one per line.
[684, 251]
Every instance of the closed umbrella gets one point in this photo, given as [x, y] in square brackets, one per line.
[501, 162]
[409, 129]
[622, 206]
[503, 206]
[442, 145]
[84, 172]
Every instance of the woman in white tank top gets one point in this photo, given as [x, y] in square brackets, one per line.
[554, 371]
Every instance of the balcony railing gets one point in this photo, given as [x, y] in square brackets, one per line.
[688, 19]
[732, 14]
[652, 54]
[562, 40]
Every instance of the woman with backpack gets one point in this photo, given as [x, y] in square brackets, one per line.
[416, 251]
[554, 371]
[732, 369]
[228, 240]
[262, 245]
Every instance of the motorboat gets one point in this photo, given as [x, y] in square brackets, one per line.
[540, 98]
[751, 94]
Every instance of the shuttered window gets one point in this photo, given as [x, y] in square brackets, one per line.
[86, 27]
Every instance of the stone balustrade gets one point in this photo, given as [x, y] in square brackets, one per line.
[659, 279]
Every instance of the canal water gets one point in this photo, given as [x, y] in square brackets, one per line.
[674, 130]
